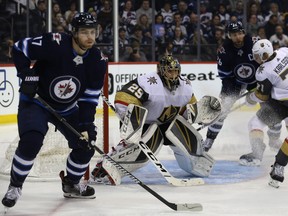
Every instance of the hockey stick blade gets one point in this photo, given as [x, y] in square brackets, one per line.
[189, 207]
[176, 207]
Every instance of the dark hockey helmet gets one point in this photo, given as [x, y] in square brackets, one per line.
[169, 70]
[83, 20]
[235, 27]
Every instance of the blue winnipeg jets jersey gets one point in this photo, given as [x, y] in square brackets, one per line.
[237, 63]
[65, 78]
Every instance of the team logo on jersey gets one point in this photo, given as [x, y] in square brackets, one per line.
[244, 71]
[240, 52]
[168, 114]
[152, 80]
[64, 89]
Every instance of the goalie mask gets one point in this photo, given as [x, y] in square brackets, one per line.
[169, 70]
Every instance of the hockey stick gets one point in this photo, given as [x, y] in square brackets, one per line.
[174, 206]
[160, 167]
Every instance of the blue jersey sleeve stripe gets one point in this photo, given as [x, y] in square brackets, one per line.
[92, 92]
[90, 100]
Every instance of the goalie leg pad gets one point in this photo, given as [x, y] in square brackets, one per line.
[188, 148]
[132, 125]
[198, 165]
[128, 155]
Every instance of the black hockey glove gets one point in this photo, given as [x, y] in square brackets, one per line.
[89, 131]
[29, 84]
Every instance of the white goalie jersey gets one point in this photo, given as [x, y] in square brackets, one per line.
[148, 91]
[272, 76]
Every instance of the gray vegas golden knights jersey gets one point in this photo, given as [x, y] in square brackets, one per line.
[148, 91]
[272, 76]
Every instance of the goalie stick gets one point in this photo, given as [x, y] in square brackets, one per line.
[160, 167]
[174, 206]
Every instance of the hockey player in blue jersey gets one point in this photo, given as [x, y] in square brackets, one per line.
[236, 69]
[68, 74]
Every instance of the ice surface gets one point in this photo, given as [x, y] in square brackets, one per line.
[230, 190]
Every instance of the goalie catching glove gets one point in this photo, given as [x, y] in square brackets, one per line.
[89, 132]
[206, 111]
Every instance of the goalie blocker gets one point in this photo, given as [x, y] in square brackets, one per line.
[182, 137]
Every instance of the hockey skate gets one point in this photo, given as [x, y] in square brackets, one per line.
[11, 196]
[207, 144]
[100, 176]
[72, 190]
[250, 160]
[277, 175]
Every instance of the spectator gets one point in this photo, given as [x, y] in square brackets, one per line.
[270, 25]
[184, 12]
[5, 50]
[192, 24]
[146, 27]
[218, 39]
[223, 14]
[38, 19]
[60, 28]
[137, 55]
[95, 5]
[59, 20]
[261, 33]
[178, 23]
[205, 15]
[216, 24]
[123, 41]
[274, 10]
[55, 10]
[145, 9]
[179, 41]
[239, 11]
[72, 10]
[281, 38]
[167, 13]
[252, 25]
[205, 50]
[128, 17]
[105, 15]
[254, 9]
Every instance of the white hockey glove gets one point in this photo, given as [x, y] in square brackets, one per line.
[249, 101]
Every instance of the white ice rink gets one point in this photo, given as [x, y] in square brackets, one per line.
[230, 190]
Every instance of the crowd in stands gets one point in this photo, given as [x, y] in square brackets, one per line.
[175, 24]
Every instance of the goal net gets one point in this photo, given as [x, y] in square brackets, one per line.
[53, 155]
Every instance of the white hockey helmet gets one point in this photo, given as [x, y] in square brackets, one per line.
[262, 50]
